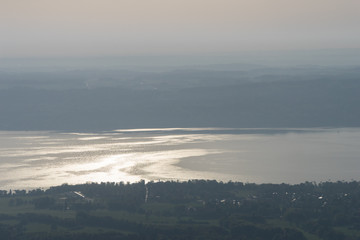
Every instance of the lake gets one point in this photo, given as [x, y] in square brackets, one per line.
[43, 159]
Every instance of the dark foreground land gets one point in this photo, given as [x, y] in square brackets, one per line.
[183, 210]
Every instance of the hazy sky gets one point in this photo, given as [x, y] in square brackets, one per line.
[31, 28]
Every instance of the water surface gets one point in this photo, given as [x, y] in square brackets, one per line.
[43, 159]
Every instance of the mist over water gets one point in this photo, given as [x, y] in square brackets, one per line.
[43, 159]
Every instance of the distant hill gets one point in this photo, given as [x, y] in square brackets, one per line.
[253, 96]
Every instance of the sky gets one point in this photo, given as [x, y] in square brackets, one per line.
[65, 28]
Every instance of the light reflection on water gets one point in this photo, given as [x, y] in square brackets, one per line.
[43, 159]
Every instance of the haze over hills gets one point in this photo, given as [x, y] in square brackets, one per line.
[274, 90]
[138, 96]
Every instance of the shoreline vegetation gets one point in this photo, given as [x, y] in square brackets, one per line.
[194, 209]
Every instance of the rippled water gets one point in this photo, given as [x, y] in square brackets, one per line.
[43, 159]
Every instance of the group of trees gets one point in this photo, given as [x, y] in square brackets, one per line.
[196, 209]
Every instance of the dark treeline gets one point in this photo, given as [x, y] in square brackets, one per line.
[196, 209]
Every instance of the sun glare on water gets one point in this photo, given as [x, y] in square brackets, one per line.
[28, 160]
